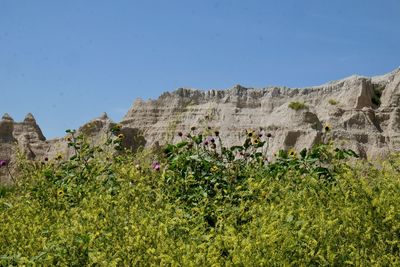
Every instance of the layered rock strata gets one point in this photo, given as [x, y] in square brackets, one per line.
[363, 113]
[27, 138]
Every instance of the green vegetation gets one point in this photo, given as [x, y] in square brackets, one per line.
[377, 94]
[297, 105]
[333, 102]
[200, 203]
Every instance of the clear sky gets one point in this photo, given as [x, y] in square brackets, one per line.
[68, 61]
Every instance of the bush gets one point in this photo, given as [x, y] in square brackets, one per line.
[6, 189]
[376, 94]
[201, 203]
[333, 102]
[297, 105]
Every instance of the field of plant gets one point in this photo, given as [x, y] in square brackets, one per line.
[199, 203]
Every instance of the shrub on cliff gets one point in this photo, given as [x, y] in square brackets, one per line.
[297, 105]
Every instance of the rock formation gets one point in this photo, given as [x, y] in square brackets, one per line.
[364, 114]
[27, 138]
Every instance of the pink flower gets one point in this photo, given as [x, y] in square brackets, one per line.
[3, 163]
[156, 165]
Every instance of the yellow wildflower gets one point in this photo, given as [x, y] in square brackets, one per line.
[250, 133]
[60, 193]
[214, 169]
[292, 153]
[327, 127]
[255, 141]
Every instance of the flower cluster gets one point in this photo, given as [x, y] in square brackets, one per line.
[257, 137]
[116, 128]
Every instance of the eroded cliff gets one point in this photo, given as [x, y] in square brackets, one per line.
[364, 114]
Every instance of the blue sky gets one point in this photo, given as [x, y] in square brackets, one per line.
[68, 61]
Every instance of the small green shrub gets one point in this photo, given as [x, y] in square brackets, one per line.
[6, 189]
[333, 102]
[377, 93]
[297, 105]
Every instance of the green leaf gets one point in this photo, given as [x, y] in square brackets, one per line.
[7, 205]
[247, 143]
[195, 157]
[239, 148]
[257, 155]
[198, 139]
[303, 153]
[169, 149]
[181, 144]
[260, 144]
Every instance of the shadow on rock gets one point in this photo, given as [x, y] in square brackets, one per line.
[133, 139]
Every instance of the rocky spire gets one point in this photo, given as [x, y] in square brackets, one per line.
[7, 117]
[103, 116]
[6, 129]
[29, 118]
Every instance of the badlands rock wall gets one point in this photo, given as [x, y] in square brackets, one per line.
[364, 114]
[26, 137]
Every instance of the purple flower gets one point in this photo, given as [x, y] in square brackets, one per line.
[156, 165]
[3, 163]
[209, 140]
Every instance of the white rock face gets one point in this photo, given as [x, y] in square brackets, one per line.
[27, 137]
[364, 114]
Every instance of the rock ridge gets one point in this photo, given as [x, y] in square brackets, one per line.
[363, 112]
